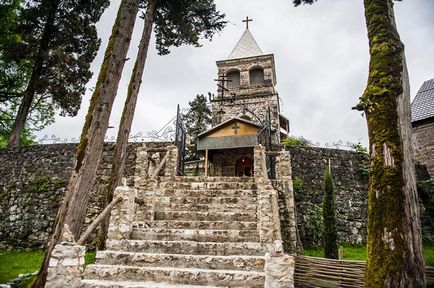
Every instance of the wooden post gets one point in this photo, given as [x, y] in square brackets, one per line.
[206, 163]
[341, 253]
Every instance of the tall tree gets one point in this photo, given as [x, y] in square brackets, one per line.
[189, 22]
[394, 238]
[58, 41]
[329, 216]
[13, 75]
[197, 120]
[73, 209]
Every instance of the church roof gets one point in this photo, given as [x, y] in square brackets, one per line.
[225, 123]
[422, 106]
[246, 47]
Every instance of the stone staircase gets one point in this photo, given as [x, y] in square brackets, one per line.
[200, 232]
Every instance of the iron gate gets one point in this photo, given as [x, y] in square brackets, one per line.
[180, 137]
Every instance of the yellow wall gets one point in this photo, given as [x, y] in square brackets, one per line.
[244, 129]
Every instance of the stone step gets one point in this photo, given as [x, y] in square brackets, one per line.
[187, 247]
[172, 275]
[87, 283]
[205, 216]
[213, 179]
[231, 207]
[195, 235]
[211, 193]
[214, 225]
[241, 263]
[203, 199]
[209, 185]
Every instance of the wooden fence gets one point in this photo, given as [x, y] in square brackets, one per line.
[327, 273]
[330, 273]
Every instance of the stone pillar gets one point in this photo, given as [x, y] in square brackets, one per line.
[122, 215]
[172, 162]
[66, 266]
[284, 177]
[279, 271]
[266, 227]
[259, 164]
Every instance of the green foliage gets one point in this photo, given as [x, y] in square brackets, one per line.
[3, 141]
[425, 191]
[179, 22]
[89, 258]
[359, 148]
[15, 262]
[297, 184]
[196, 170]
[364, 170]
[48, 58]
[197, 120]
[329, 216]
[351, 252]
[315, 226]
[42, 184]
[358, 252]
[298, 2]
[293, 141]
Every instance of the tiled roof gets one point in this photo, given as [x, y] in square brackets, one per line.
[422, 106]
[246, 47]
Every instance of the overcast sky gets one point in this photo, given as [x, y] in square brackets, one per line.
[321, 54]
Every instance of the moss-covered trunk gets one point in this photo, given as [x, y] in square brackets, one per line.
[394, 240]
[73, 209]
[118, 163]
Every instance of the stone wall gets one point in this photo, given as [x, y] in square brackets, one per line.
[350, 179]
[423, 143]
[32, 185]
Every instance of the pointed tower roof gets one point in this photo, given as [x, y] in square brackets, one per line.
[246, 47]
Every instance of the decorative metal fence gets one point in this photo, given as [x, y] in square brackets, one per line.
[164, 134]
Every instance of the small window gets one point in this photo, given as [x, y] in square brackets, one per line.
[256, 76]
[234, 78]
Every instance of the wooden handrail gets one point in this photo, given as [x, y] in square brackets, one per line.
[97, 220]
[160, 166]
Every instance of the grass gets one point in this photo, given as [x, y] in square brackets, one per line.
[359, 252]
[15, 262]
[351, 252]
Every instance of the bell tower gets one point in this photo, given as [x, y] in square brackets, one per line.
[247, 80]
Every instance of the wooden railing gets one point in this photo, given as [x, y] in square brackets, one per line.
[327, 273]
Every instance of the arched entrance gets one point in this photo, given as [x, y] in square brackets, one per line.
[244, 167]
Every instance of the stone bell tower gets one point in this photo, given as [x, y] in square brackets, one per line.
[247, 87]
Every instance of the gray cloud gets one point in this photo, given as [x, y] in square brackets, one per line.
[321, 54]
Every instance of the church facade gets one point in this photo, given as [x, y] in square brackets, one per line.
[245, 111]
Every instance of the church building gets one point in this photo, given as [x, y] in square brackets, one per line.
[245, 111]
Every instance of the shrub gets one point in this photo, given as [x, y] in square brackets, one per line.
[293, 141]
[329, 216]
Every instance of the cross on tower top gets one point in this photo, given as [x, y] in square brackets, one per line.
[247, 21]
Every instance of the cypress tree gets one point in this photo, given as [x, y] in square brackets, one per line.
[329, 216]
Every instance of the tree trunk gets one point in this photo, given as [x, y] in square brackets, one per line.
[394, 240]
[118, 163]
[29, 93]
[73, 209]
